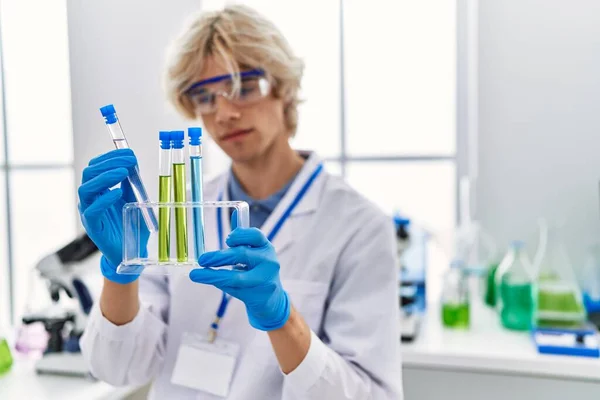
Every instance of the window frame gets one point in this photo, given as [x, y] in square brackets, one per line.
[7, 167]
[466, 100]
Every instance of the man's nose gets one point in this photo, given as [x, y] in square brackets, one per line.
[226, 111]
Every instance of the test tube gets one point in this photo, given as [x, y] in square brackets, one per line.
[195, 149]
[179, 190]
[164, 196]
[139, 191]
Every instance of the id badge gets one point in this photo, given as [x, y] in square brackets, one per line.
[205, 366]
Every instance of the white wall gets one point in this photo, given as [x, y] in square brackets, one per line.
[539, 117]
[123, 65]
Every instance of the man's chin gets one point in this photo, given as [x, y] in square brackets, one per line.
[243, 156]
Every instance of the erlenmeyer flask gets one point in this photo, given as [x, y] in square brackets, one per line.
[557, 292]
[514, 288]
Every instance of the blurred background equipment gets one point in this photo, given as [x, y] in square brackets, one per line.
[64, 273]
[455, 297]
[591, 284]
[411, 240]
[6, 359]
[558, 298]
[514, 282]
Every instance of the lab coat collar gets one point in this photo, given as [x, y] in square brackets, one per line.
[310, 201]
[307, 205]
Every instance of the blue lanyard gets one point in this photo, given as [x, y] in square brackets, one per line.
[225, 299]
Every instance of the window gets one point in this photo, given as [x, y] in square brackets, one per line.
[318, 44]
[380, 90]
[37, 198]
[400, 113]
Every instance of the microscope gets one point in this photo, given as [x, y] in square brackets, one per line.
[411, 241]
[63, 273]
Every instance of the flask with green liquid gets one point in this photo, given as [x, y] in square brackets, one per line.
[514, 288]
[559, 301]
[6, 359]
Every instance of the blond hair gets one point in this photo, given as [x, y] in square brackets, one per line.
[238, 37]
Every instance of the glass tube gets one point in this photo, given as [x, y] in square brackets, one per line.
[179, 191]
[164, 196]
[195, 150]
[135, 180]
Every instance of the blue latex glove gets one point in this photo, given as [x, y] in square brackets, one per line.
[101, 208]
[258, 285]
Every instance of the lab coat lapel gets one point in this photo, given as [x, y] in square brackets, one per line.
[286, 235]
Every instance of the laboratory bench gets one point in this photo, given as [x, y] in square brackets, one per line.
[484, 362]
[489, 362]
[22, 382]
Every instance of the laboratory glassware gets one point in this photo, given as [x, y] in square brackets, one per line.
[475, 247]
[6, 359]
[514, 288]
[118, 136]
[455, 297]
[164, 196]
[559, 301]
[140, 252]
[195, 149]
[179, 194]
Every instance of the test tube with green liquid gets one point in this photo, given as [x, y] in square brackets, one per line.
[179, 190]
[164, 196]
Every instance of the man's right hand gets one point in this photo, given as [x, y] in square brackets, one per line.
[101, 208]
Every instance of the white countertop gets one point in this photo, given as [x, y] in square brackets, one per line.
[22, 382]
[489, 347]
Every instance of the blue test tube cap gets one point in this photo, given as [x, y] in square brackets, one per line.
[399, 221]
[195, 135]
[177, 138]
[109, 114]
[165, 139]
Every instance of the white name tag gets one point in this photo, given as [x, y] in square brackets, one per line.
[205, 366]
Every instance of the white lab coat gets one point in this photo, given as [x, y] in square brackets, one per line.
[337, 255]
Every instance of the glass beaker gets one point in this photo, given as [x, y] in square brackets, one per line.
[455, 297]
[476, 247]
[513, 278]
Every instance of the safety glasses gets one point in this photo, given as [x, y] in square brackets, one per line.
[254, 86]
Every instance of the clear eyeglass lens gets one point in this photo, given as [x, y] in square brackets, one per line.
[250, 91]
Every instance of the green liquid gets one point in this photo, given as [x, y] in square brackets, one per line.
[164, 219]
[561, 302]
[455, 315]
[490, 290]
[555, 323]
[6, 359]
[517, 306]
[180, 212]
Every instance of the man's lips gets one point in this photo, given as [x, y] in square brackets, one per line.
[236, 134]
